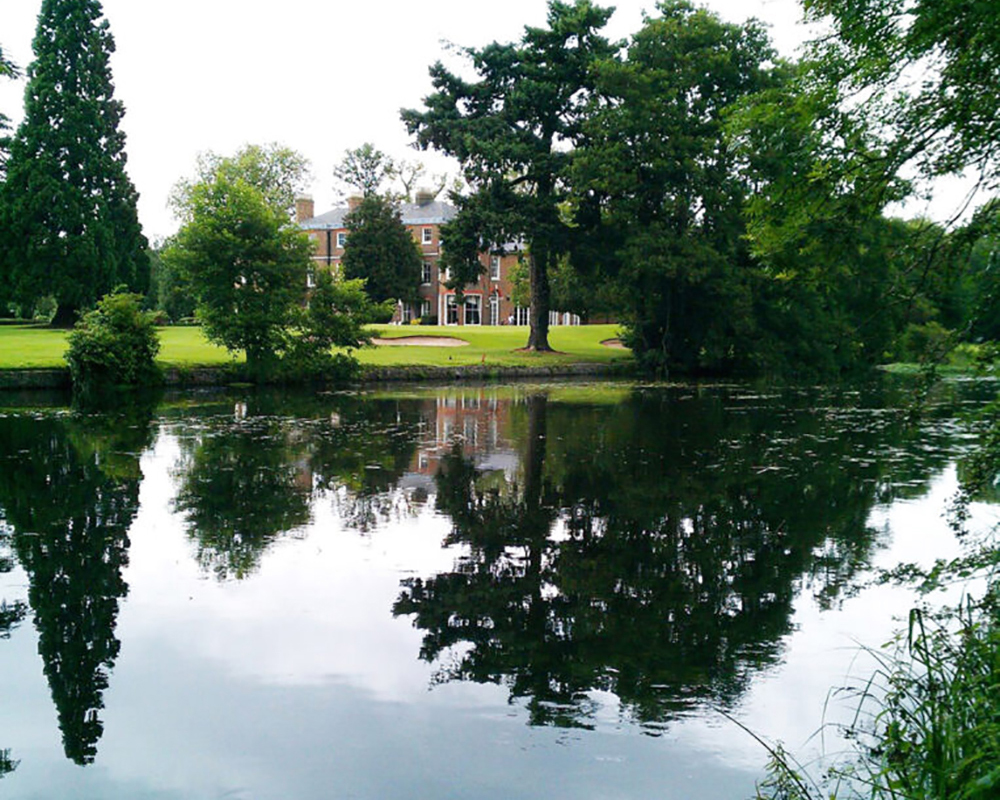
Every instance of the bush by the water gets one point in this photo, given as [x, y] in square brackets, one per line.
[115, 343]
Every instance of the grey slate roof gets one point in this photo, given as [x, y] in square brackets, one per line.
[434, 213]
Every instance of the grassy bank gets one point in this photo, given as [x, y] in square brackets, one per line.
[31, 347]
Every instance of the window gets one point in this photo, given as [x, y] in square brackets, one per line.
[427, 236]
[341, 239]
[473, 311]
[494, 268]
[425, 272]
[425, 308]
[310, 280]
[470, 430]
[521, 315]
[494, 310]
[451, 310]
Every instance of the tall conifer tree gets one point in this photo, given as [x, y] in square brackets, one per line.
[7, 70]
[68, 208]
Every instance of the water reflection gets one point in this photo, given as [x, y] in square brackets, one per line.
[11, 616]
[645, 544]
[650, 548]
[240, 490]
[69, 489]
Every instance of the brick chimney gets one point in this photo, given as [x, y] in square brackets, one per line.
[354, 201]
[424, 197]
[305, 208]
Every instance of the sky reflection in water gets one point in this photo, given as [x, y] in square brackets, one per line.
[457, 593]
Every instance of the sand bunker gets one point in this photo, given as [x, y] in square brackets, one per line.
[615, 343]
[421, 341]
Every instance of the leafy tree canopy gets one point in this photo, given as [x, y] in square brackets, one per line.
[513, 130]
[7, 70]
[366, 169]
[278, 172]
[68, 222]
[657, 191]
[247, 266]
[381, 251]
[897, 94]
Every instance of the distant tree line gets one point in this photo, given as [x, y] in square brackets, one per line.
[731, 208]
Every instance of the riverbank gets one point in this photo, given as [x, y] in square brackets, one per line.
[33, 357]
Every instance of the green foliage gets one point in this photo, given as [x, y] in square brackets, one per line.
[334, 318]
[278, 172]
[7, 70]
[513, 131]
[246, 264]
[658, 191]
[930, 341]
[926, 726]
[68, 223]
[169, 292]
[897, 95]
[381, 251]
[945, 121]
[365, 169]
[115, 343]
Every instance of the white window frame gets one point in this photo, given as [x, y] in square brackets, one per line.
[341, 239]
[426, 273]
[450, 303]
[494, 268]
[522, 315]
[477, 305]
[427, 236]
[425, 308]
[494, 310]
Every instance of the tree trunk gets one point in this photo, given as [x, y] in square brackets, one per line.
[538, 273]
[65, 317]
[534, 460]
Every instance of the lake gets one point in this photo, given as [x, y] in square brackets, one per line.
[558, 591]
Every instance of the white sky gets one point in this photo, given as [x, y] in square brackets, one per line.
[320, 77]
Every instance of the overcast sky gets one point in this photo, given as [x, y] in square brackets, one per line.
[320, 77]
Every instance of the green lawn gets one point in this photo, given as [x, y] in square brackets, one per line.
[38, 347]
[497, 345]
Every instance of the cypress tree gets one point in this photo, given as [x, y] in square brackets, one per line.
[67, 208]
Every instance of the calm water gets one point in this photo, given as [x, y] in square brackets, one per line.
[550, 592]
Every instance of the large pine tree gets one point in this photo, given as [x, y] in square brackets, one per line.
[68, 222]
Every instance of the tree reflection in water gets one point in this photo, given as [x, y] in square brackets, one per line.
[69, 490]
[11, 615]
[248, 480]
[646, 551]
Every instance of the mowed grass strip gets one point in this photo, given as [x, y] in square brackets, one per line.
[36, 347]
[497, 345]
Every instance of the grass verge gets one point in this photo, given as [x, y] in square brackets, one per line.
[38, 347]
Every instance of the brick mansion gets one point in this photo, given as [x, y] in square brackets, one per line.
[487, 302]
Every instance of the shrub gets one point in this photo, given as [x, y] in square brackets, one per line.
[924, 342]
[116, 343]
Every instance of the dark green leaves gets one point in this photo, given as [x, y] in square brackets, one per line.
[67, 209]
